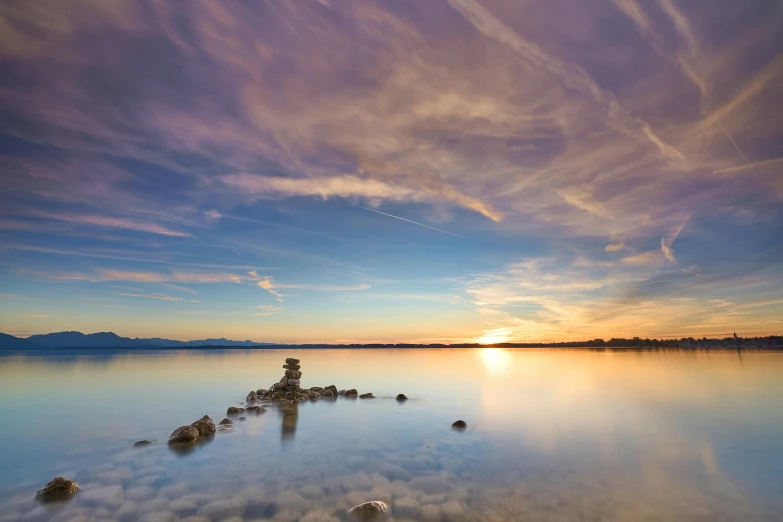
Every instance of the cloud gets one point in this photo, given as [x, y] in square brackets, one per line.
[114, 222]
[651, 257]
[163, 297]
[105, 275]
[348, 186]
[614, 247]
[34, 316]
[268, 285]
[668, 251]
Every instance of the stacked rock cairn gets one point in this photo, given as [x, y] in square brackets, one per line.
[289, 387]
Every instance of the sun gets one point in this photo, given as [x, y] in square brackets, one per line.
[495, 336]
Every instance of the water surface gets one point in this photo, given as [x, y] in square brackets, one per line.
[554, 435]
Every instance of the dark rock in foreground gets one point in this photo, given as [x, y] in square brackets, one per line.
[183, 434]
[402, 397]
[58, 488]
[141, 443]
[366, 396]
[205, 426]
[371, 510]
[459, 424]
[226, 422]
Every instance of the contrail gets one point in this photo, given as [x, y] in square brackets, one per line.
[748, 166]
[732, 141]
[409, 221]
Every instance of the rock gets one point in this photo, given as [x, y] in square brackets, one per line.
[141, 443]
[223, 509]
[293, 382]
[459, 424]
[316, 389]
[402, 397]
[108, 497]
[226, 422]
[205, 427]
[366, 396]
[371, 510]
[58, 488]
[256, 409]
[351, 393]
[332, 387]
[341, 392]
[329, 394]
[242, 418]
[233, 410]
[314, 395]
[290, 388]
[252, 396]
[291, 360]
[291, 366]
[293, 374]
[275, 396]
[184, 434]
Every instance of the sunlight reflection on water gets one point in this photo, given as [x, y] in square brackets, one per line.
[553, 435]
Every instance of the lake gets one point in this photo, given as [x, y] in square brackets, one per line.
[553, 435]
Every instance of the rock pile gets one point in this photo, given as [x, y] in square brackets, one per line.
[287, 388]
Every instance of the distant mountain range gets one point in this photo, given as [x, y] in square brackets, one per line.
[109, 340]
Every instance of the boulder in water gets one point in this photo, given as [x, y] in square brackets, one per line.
[141, 443]
[233, 410]
[459, 424]
[252, 396]
[205, 426]
[372, 510]
[367, 396]
[351, 393]
[183, 434]
[226, 422]
[58, 488]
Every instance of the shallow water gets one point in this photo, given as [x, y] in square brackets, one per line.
[554, 435]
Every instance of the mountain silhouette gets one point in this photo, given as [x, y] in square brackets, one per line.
[109, 340]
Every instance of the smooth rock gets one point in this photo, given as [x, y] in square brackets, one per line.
[291, 360]
[108, 497]
[233, 410]
[341, 392]
[459, 424]
[242, 418]
[205, 427]
[58, 488]
[314, 395]
[366, 396]
[372, 510]
[293, 374]
[402, 397]
[226, 422]
[252, 396]
[351, 393]
[291, 366]
[261, 392]
[184, 434]
[222, 509]
[329, 394]
[316, 389]
[141, 443]
[293, 382]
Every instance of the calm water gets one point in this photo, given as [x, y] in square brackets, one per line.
[554, 435]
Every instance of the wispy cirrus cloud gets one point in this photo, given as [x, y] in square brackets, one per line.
[162, 297]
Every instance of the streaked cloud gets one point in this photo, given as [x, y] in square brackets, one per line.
[162, 297]
[614, 247]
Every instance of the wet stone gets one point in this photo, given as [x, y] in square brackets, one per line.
[233, 410]
[205, 426]
[329, 394]
[291, 366]
[184, 434]
[459, 424]
[58, 488]
[351, 393]
[256, 409]
[226, 422]
[372, 510]
[141, 443]
[251, 396]
[291, 360]
[402, 397]
[366, 396]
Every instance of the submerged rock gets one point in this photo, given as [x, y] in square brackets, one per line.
[459, 424]
[402, 397]
[371, 510]
[291, 360]
[367, 396]
[256, 409]
[233, 410]
[226, 422]
[141, 443]
[242, 418]
[184, 434]
[58, 488]
[205, 426]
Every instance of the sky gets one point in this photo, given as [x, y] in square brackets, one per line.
[392, 171]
